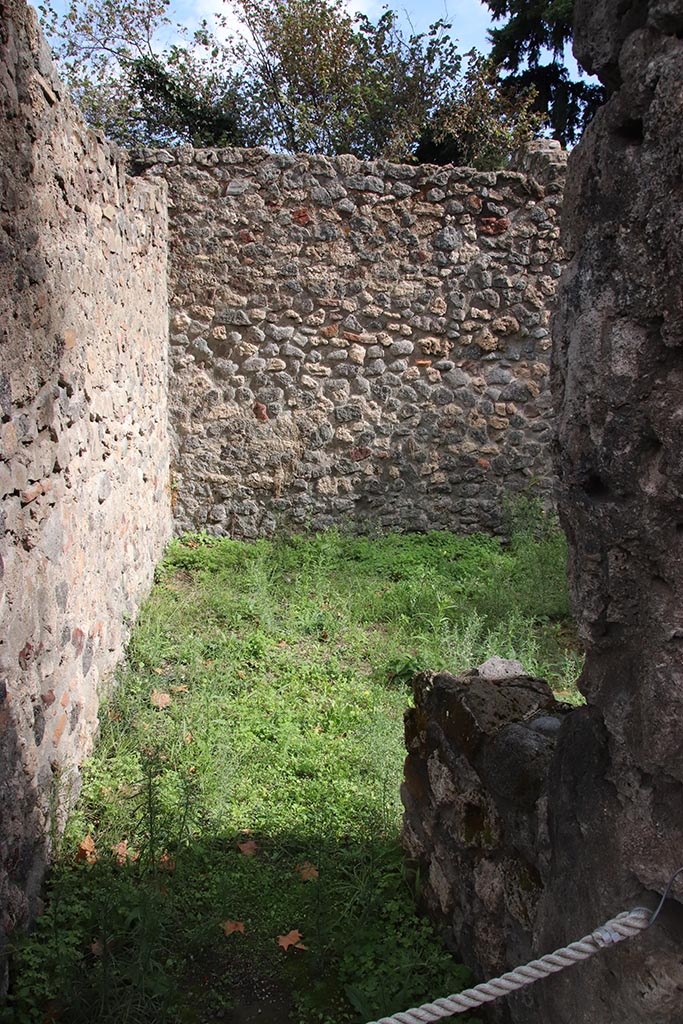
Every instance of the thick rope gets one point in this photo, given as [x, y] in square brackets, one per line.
[624, 926]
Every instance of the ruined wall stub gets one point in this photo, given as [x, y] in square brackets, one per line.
[616, 789]
[475, 797]
[85, 507]
[354, 343]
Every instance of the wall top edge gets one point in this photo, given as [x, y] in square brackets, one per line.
[32, 91]
[542, 159]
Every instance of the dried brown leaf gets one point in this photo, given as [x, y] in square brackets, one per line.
[159, 699]
[86, 850]
[291, 939]
[307, 870]
[233, 926]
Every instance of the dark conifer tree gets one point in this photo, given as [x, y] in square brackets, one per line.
[530, 45]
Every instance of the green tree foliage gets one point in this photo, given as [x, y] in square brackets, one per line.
[137, 90]
[481, 122]
[298, 75]
[182, 97]
[533, 29]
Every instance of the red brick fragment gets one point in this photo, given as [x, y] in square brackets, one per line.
[26, 655]
[301, 216]
[78, 640]
[59, 728]
[34, 491]
[493, 225]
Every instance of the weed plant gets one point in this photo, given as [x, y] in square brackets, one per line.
[245, 784]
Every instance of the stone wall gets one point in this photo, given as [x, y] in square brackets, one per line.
[475, 796]
[357, 343]
[83, 440]
[616, 803]
[596, 815]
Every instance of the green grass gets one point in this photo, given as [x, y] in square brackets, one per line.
[285, 665]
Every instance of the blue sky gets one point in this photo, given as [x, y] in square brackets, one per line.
[470, 18]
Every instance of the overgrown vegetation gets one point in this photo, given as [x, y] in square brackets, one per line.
[236, 840]
[299, 75]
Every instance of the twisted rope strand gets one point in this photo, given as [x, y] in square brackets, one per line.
[621, 927]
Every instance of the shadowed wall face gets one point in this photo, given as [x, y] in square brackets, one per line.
[616, 793]
[601, 828]
[357, 344]
[83, 441]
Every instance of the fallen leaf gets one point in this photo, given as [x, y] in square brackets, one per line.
[248, 848]
[166, 862]
[292, 938]
[123, 854]
[282, 643]
[120, 851]
[188, 737]
[86, 850]
[181, 688]
[53, 1011]
[160, 699]
[233, 926]
[97, 947]
[307, 870]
